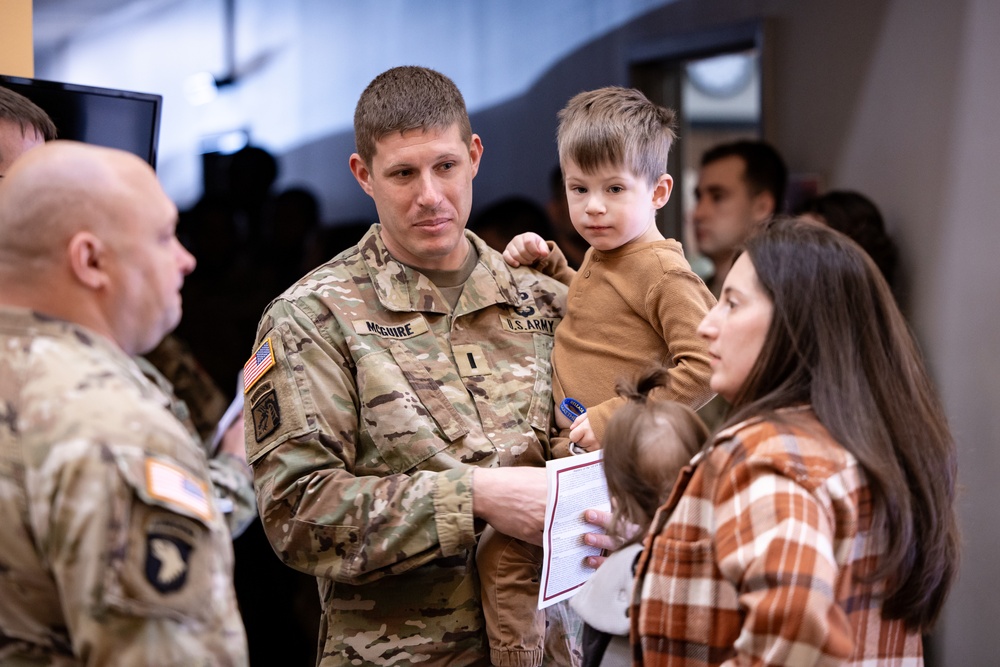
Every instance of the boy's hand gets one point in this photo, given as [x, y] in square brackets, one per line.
[582, 435]
[525, 249]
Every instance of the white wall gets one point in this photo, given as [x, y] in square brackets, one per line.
[912, 121]
[321, 56]
[959, 320]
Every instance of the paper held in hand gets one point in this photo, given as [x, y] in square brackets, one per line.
[575, 484]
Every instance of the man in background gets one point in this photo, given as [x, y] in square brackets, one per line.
[23, 125]
[740, 185]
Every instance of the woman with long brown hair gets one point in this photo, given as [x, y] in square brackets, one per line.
[819, 526]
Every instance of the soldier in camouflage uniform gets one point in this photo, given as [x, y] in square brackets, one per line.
[190, 382]
[195, 398]
[400, 396]
[113, 551]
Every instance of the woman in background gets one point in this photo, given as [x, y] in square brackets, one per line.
[856, 215]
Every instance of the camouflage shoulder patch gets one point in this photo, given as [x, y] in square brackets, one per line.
[258, 364]
[265, 411]
[173, 486]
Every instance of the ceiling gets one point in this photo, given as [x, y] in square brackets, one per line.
[55, 21]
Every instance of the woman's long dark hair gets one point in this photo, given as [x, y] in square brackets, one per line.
[837, 341]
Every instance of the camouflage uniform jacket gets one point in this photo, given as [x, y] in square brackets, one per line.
[191, 383]
[113, 552]
[363, 428]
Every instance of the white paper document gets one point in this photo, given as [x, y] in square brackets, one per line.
[576, 484]
[232, 413]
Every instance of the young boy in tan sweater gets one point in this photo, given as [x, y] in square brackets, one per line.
[634, 303]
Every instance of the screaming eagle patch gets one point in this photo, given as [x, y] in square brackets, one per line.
[168, 556]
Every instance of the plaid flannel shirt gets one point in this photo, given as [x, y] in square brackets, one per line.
[759, 560]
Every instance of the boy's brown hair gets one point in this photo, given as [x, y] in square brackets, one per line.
[407, 98]
[646, 443]
[616, 126]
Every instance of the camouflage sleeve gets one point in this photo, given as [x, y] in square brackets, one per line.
[143, 571]
[191, 383]
[329, 504]
[232, 482]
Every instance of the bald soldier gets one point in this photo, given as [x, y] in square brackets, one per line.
[112, 549]
[199, 402]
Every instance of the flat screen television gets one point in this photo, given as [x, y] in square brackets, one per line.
[104, 116]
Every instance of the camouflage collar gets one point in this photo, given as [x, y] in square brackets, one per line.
[33, 323]
[401, 288]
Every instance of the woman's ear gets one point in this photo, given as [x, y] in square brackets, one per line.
[88, 260]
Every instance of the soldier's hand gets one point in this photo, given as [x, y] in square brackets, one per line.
[512, 500]
[525, 249]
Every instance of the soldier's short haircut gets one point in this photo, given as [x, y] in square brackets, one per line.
[616, 126]
[765, 170]
[407, 98]
[19, 109]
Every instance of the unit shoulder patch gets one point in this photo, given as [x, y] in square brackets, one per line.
[265, 411]
[168, 556]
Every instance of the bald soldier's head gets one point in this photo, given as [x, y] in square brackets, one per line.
[88, 235]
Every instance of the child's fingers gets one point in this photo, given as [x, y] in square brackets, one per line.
[509, 257]
[541, 248]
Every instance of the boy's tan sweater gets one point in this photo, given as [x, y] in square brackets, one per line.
[628, 309]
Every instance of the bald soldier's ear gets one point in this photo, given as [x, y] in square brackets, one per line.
[88, 260]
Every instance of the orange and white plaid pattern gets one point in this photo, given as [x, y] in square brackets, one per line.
[759, 560]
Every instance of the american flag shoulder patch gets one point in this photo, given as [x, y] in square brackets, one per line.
[174, 486]
[258, 364]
